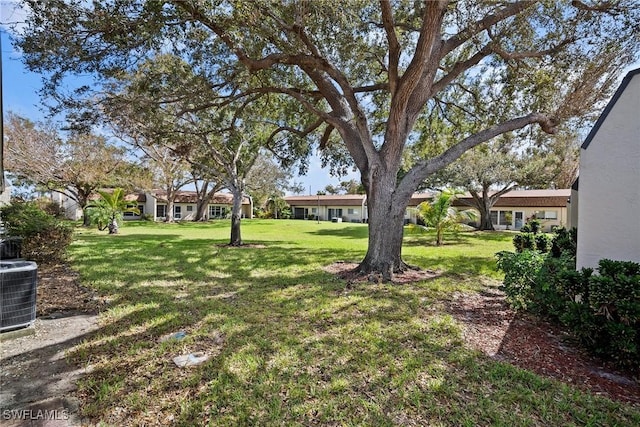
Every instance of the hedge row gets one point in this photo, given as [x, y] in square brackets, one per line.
[602, 310]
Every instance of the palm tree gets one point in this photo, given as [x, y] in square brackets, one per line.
[109, 209]
[441, 215]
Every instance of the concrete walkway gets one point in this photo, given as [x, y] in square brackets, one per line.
[36, 382]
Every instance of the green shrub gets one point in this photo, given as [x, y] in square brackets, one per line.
[521, 271]
[45, 238]
[564, 241]
[532, 226]
[530, 238]
[52, 208]
[614, 298]
[543, 242]
[602, 310]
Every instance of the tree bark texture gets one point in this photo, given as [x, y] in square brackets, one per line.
[236, 215]
[386, 229]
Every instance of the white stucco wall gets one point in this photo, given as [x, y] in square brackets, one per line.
[609, 188]
[70, 206]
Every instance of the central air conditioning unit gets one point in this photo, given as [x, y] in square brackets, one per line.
[17, 294]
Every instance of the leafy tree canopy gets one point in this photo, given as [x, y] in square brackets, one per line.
[363, 81]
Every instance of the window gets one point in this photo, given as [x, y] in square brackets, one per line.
[217, 211]
[190, 208]
[131, 214]
[161, 211]
[503, 218]
[494, 217]
[547, 215]
[177, 212]
[335, 213]
[500, 217]
[352, 212]
[314, 210]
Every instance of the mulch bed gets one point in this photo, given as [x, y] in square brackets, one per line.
[59, 291]
[531, 343]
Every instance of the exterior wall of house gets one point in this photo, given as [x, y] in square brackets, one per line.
[608, 225]
[149, 206]
[187, 211]
[329, 212]
[5, 195]
[549, 217]
[343, 208]
[71, 209]
[515, 208]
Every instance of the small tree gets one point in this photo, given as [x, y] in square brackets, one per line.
[109, 209]
[440, 215]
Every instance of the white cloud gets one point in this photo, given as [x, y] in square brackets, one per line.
[13, 14]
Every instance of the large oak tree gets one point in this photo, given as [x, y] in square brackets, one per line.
[366, 71]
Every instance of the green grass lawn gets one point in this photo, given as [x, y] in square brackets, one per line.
[291, 344]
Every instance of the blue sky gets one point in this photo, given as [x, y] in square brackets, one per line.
[20, 95]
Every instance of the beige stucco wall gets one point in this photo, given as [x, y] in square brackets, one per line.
[609, 203]
[359, 212]
[547, 224]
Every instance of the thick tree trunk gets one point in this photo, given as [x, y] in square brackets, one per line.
[236, 214]
[386, 228]
[485, 217]
[168, 215]
[201, 210]
[86, 221]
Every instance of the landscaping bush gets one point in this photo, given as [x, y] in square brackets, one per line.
[602, 310]
[52, 208]
[543, 242]
[45, 238]
[530, 238]
[564, 241]
[521, 271]
[614, 298]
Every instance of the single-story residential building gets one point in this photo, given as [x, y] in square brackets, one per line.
[185, 205]
[516, 207]
[337, 208]
[609, 186]
[511, 211]
[154, 203]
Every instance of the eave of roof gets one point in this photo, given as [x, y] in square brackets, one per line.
[625, 82]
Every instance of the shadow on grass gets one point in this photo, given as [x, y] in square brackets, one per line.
[460, 238]
[351, 232]
[296, 347]
[456, 265]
